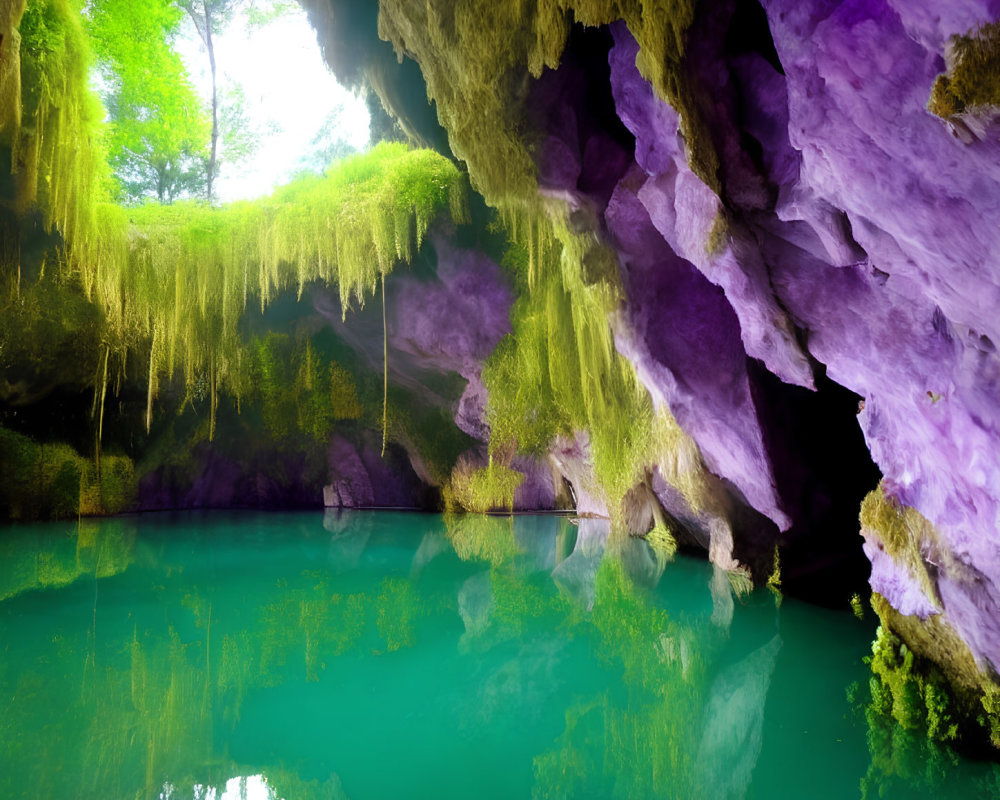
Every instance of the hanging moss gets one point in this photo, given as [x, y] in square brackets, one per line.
[177, 279]
[489, 488]
[973, 78]
[57, 160]
[473, 55]
[559, 372]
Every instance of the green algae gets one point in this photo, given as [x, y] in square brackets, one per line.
[927, 682]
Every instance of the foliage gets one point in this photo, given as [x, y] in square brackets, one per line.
[857, 608]
[299, 390]
[53, 480]
[158, 128]
[429, 431]
[774, 579]
[49, 335]
[559, 372]
[973, 78]
[913, 717]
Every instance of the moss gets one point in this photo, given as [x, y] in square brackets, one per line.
[857, 608]
[58, 162]
[661, 539]
[943, 101]
[973, 77]
[718, 236]
[171, 284]
[489, 488]
[905, 534]
[926, 679]
[774, 579]
[474, 53]
[989, 717]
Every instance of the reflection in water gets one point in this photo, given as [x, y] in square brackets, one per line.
[380, 655]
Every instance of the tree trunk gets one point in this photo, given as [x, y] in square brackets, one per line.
[210, 171]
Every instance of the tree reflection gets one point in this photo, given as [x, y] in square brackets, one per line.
[146, 668]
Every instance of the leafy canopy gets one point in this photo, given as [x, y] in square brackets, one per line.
[158, 126]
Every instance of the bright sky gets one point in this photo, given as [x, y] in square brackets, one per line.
[290, 93]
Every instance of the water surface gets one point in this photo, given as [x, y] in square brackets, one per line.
[385, 655]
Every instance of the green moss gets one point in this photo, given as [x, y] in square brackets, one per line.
[943, 101]
[58, 162]
[183, 275]
[989, 718]
[473, 55]
[856, 606]
[662, 540]
[973, 77]
[427, 432]
[489, 488]
[299, 390]
[559, 372]
[718, 236]
[926, 692]
[905, 534]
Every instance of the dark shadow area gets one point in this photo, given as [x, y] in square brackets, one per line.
[823, 471]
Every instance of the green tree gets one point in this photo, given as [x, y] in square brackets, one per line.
[158, 128]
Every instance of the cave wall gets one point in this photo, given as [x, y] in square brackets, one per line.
[809, 265]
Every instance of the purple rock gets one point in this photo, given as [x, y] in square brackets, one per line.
[676, 322]
[684, 211]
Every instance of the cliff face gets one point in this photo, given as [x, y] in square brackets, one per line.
[807, 261]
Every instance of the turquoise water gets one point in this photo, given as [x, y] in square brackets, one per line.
[390, 655]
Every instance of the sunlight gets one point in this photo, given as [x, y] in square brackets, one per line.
[291, 96]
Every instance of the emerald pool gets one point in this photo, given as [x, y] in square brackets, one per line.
[396, 655]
